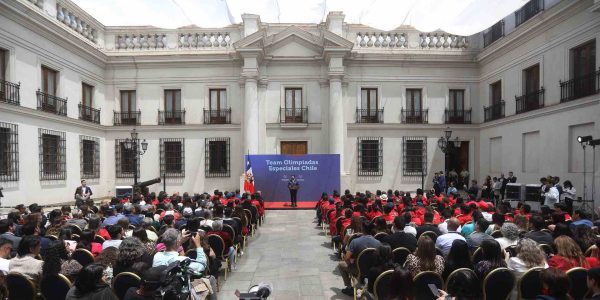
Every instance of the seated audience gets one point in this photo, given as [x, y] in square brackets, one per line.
[91, 284]
[116, 235]
[458, 257]
[173, 240]
[5, 250]
[510, 235]
[425, 258]
[151, 281]
[541, 237]
[462, 286]
[444, 242]
[132, 257]
[555, 285]
[383, 263]
[399, 238]
[401, 285]
[347, 267]
[229, 249]
[529, 255]
[478, 236]
[57, 260]
[492, 258]
[86, 241]
[26, 261]
[7, 231]
[593, 283]
[568, 255]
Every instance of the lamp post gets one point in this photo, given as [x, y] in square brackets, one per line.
[444, 145]
[132, 144]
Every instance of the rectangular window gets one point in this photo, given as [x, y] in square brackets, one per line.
[9, 152]
[3, 63]
[414, 156]
[125, 160]
[49, 77]
[128, 101]
[172, 158]
[52, 155]
[531, 77]
[87, 92]
[368, 99]
[583, 59]
[496, 92]
[370, 156]
[89, 156]
[172, 100]
[457, 100]
[413, 100]
[217, 157]
[293, 98]
[218, 99]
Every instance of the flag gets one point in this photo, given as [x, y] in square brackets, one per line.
[248, 177]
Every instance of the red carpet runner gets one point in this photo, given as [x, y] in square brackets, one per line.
[287, 205]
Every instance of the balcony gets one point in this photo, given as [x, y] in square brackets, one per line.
[530, 101]
[51, 104]
[127, 118]
[494, 111]
[367, 115]
[495, 33]
[580, 87]
[171, 117]
[415, 116]
[528, 10]
[88, 113]
[217, 116]
[457, 116]
[293, 115]
[9, 92]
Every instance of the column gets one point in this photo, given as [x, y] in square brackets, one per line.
[336, 119]
[251, 115]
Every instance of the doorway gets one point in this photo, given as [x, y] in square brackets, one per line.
[458, 160]
[294, 147]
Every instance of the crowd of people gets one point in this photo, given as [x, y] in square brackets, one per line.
[465, 231]
[142, 235]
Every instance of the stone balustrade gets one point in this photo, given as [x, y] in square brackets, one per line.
[38, 3]
[141, 41]
[381, 40]
[204, 40]
[442, 41]
[76, 23]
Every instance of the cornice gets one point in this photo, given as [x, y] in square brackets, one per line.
[45, 116]
[402, 126]
[179, 128]
[290, 127]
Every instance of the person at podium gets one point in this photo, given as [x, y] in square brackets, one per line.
[293, 186]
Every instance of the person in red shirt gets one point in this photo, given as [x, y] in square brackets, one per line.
[568, 255]
[218, 230]
[465, 215]
[419, 198]
[170, 211]
[389, 214]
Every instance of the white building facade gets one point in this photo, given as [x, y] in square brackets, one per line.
[515, 96]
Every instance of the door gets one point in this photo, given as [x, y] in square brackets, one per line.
[218, 106]
[458, 158]
[294, 147]
[369, 106]
[456, 107]
[293, 105]
[414, 106]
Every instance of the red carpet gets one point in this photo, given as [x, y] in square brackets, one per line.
[287, 205]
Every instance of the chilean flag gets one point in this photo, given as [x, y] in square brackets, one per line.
[248, 177]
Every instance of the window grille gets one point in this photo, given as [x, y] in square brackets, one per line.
[414, 155]
[89, 154]
[172, 157]
[216, 160]
[9, 152]
[53, 164]
[370, 156]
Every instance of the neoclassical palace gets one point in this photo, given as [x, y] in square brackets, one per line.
[514, 97]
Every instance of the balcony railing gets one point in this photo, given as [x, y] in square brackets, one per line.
[9, 92]
[530, 101]
[171, 117]
[127, 118]
[415, 116]
[366, 115]
[293, 115]
[217, 116]
[580, 87]
[494, 111]
[51, 104]
[88, 113]
[528, 11]
[457, 116]
[495, 32]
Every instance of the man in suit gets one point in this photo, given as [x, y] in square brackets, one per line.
[511, 178]
[7, 231]
[293, 186]
[82, 193]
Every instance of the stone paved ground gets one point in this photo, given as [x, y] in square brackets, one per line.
[292, 253]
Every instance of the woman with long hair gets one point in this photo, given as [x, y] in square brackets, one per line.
[142, 235]
[108, 258]
[425, 258]
[492, 258]
[86, 241]
[383, 263]
[556, 285]
[562, 229]
[131, 252]
[57, 261]
[462, 286]
[458, 257]
[401, 286]
[91, 284]
[529, 255]
[568, 255]
[584, 237]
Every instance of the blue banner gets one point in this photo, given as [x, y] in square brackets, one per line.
[315, 173]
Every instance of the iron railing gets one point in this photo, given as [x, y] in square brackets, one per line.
[171, 117]
[9, 92]
[127, 118]
[217, 116]
[368, 115]
[415, 116]
[457, 116]
[495, 32]
[51, 104]
[580, 87]
[370, 156]
[293, 115]
[494, 111]
[88, 113]
[528, 10]
[530, 101]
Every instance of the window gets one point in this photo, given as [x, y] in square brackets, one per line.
[531, 77]
[87, 92]
[415, 156]
[413, 100]
[89, 151]
[49, 81]
[52, 155]
[128, 104]
[368, 99]
[457, 100]
[370, 156]
[172, 100]
[217, 157]
[218, 99]
[583, 59]
[172, 158]
[125, 160]
[9, 152]
[496, 92]
[3, 63]
[293, 98]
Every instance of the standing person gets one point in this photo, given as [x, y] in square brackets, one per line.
[551, 196]
[464, 176]
[82, 193]
[496, 187]
[568, 195]
[511, 178]
[293, 186]
[503, 183]
[442, 180]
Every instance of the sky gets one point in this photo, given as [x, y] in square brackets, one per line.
[462, 17]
